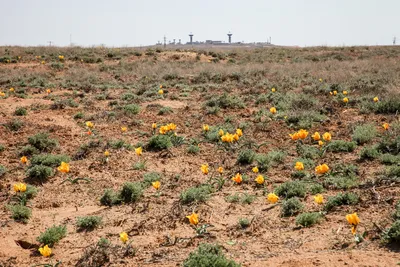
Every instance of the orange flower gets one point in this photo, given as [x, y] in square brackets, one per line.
[302, 134]
[353, 219]
[239, 132]
[322, 169]
[193, 218]
[204, 169]
[156, 184]
[272, 110]
[64, 167]
[106, 153]
[327, 136]
[320, 143]
[316, 136]
[386, 126]
[295, 136]
[299, 166]
[259, 179]
[124, 129]
[48, 91]
[237, 178]
[220, 170]
[272, 198]
[345, 92]
[24, 160]
[236, 137]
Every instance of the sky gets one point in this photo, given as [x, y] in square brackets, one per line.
[139, 23]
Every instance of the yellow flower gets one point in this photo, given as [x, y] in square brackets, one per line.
[193, 218]
[156, 184]
[221, 132]
[172, 126]
[89, 124]
[45, 251]
[124, 129]
[2, 94]
[220, 170]
[61, 57]
[64, 167]
[302, 134]
[20, 187]
[272, 198]
[345, 92]
[206, 128]
[376, 99]
[386, 126]
[48, 91]
[273, 90]
[321, 169]
[272, 110]
[11, 89]
[239, 132]
[24, 160]
[161, 86]
[259, 179]
[123, 237]
[320, 143]
[138, 151]
[299, 166]
[295, 136]
[204, 169]
[255, 169]
[237, 178]
[319, 199]
[327, 136]
[106, 153]
[161, 91]
[330, 93]
[316, 136]
[345, 100]
[335, 92]
[236, 137]
[163, 130]
[320, 80]
[154, 126]
[353, 229]
[43, 62]
[353, 218]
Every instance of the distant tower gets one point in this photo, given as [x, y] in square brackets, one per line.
[230, 37]
[191, 38]
[165, 42]
[394, 40]
[179, 41]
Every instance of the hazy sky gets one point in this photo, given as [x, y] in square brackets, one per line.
[144, 22]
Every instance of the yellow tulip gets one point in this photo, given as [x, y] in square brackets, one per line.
[294, 136]
[206, 128]
[345, 100]
[156, 184]
[64, 167]
[2, 94]
[48, 91]
[322, 169]
[160, 92]
[353, 218]
[138, 151]
[376, 99]
[334, 92]
[123, 237]
[11, 89]
[154, 126]
[386, 126]
[124, 129]
[320, 80]
[204, 169]
[320, 143]
[89, 124]
[236, 137]
[316, 136]
[239, 132]
[327, 136]
[220, 170]
[260, 179]
[299, 166]
[161, 86]
[237, 178]
[45, 251]
[106, 153]
[19, 187]
[272, 198]
[24, 160]
[302, 134]
[221, 132]
[193, 218]
[272, 110]
[345, 92]
[273, 90]
[319, 199]
[255, 169]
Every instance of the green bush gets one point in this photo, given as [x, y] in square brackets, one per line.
[14, 125]
[52, 235]
[263, 162]
[150, 177]
[88, 223]
[42, 142]
[340, 181]
[225, 101]
[165, 110]
[291, 207]
[291, 189]
[1, 148]
[276, 157]
[369, 153]
[392, 234]
[193, 149]
[131, 109]
[28, 151]
[131, 192]
[208, 255]
[159, 142]
[388, 106]
[308, 152]
[341, 146]
[244, 222]
[196, 194]
[39, 172]
[30, 193]
[20, 112]
[308, 219]
[389, 159]
[3, 170]
[340, 200]
[316, 189]
[49, 160]
[246, 156]
[20, 212]
[110, 198]
[396, 214]
[364, 133]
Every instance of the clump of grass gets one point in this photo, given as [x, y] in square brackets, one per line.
[389, 159]
[208, 255]
[110, 198]
[316, 189]
[140, 165]
[308, 219]
[291, 189]
[21, 111]
[263, 162]
[244, 222]
[3, 170]
[159, 142]
[291, 207]
[120, 144]
[131, 109]
[196, 194]
[193, 149]
[341, 146]
[396, 214]
[52, 235]
[392, 234]
[225, 101]
[88, 223]
[20, 212]
[388, 106]
[1, 148]
[276, 157]
[246, 156]
[14, 125]
[308, 152]
[340, 200]
[42, 142]
[39, 172]
[131, 192]
[49, 160]
[369, 153]
[165, 110]
[364, 133]
[150, 177]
